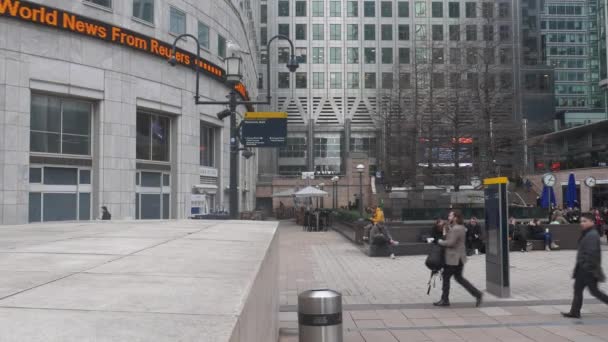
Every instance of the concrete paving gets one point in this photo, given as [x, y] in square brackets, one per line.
[137, 281]
[386, 300]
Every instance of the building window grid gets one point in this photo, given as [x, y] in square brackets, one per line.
[144, 10]
[177, 21]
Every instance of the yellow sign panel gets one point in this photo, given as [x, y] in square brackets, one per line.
[265, 115]
[497, 180]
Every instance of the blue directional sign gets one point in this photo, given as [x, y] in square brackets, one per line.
[264, 129]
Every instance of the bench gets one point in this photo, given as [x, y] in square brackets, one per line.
[406, 248]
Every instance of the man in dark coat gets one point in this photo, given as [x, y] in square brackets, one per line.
[588, 270]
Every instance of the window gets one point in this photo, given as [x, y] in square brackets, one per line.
[420, 32]
[471, 32]
[505, 33]
[422, 55]
[263, 35]
[455, 80]
[104, 3]
[404, 32]
[207, 145]
[472, 56]
[386, 9]
[283, 55]
[438, 80]
[488, 33]
[403, 9]
[352, 80]
[437, 32]
[471, 9]
[335, 9]
[454, 55]
[369, 31]
[387, 80]
[335, 55]
[144, 10]
[283, 80]
[318, 55]
[420, 8]
[335, 80]
[352, 32]
[263, 14]
[177, 21]
[300, 31]
[404, 80]
[221, 46]
[317, 9]
[284, 29]
[317, 32]
[203, 35]
[283, 8]
[404, 55]
[300, 8]
[370, 80]
[488, 56]
[153, 137]
[152, 199]
[472, 80]
[503, 10]
[454, 33]
[364, 144]
[369, 9]
[387, 32]
[352, 9]
[487, 9]
[335, 32]
[387, 55]
[59, 125]
[301, 55]
[295, 147]
[454, 9]
[301, 80]
[437, 9]
[505, 56]
[370, 55]
[352, 55]
[437, 55]
[318, 80]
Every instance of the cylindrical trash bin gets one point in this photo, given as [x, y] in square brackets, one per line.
[320, 316]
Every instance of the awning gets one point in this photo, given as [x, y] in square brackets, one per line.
[284, 193]
[210, 189]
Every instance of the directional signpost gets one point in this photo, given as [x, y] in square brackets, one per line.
[264, 129]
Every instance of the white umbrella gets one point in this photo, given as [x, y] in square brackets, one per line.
[284, 193]
[309, 192]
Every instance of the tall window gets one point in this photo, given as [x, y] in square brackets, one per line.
[471, 9]
[369, 9]
[177, 21]
[284, 29]
[335, 9]
[352, 31]
[221, 46]
[370, 80]
[60, 125]
[207, 145]
[318, 80]
[301, 80]
[302, 55]
[335, 32]
[318, 55]
[387, 55]
[335, 55]
[454, 32]
[352, 9]
[386, 9]
[300, 8]
[104, 3]
[203, 35]
[317, 8]
[317, 31]
[263, 14]
[144, 10]
[437, 55]
[300, 31]
[369, 32]
[283, 81]
[283, 54]
[437, 9]
[153, 137]
[387, 32]
[404, 32]
[420, 7]
[437, 32]
[352, 80]
[335, 80]
[264, 35]
[370, 55]
[454, 9]
[387, 80]
[420, 32]
[403, 9]
[352, 55]
[283, 8]
[404, 55]
[471, 32]
[487, 9]
[153, 195]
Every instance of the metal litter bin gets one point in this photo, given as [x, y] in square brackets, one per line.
[320, 316]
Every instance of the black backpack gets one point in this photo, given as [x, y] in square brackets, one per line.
[436, 258]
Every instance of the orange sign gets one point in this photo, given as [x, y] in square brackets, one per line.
[67, 21]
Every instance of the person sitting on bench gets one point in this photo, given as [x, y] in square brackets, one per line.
[381, 237]
[537, 232]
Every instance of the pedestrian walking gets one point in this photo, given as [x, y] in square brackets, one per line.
[455, 258]
[588, 270]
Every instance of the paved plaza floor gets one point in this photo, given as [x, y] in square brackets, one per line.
[386, 300]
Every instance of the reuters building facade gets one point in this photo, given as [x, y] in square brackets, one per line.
[92, 115]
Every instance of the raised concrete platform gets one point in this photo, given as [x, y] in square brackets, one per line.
[140, 281]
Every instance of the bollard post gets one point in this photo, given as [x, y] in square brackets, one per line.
[320, 316]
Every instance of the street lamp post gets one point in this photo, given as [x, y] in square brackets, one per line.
[360, 169]
[233, 77]
[334, 180]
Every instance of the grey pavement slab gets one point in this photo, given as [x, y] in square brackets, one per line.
[95, 245]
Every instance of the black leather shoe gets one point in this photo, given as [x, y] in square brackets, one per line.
[442, 303]
[479, 300]
[571, 315]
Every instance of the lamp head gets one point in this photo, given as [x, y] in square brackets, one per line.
[172, 61]
[293, 64]
[247, 154]
[360, 168]
[224, 114]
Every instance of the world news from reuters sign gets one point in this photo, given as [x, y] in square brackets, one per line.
[264, 129]
[67, 21]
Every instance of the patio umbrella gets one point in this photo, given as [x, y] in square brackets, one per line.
[548, 197]
[571, 192]
[284, 193]
[309, 192]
